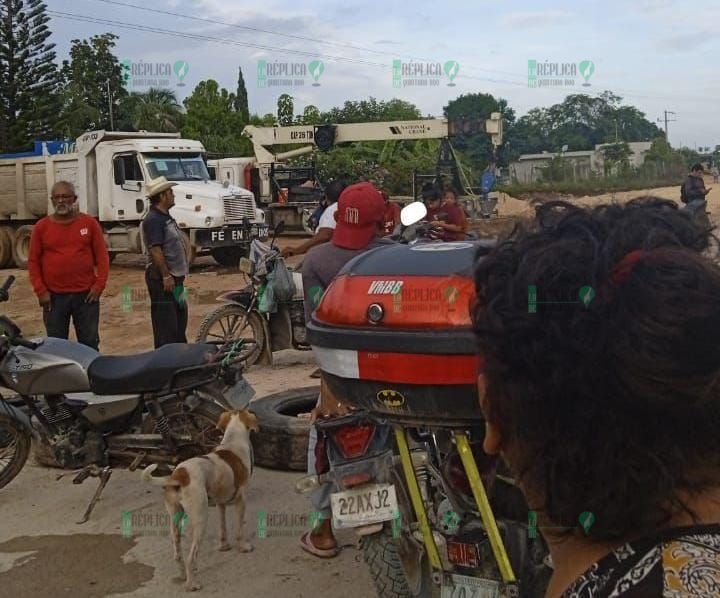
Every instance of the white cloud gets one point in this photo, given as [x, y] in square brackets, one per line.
[539, 18]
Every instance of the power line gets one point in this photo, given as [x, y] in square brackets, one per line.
[209, 38]
[288, 35]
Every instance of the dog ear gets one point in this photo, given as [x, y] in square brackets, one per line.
[224, 420]
[249, 420]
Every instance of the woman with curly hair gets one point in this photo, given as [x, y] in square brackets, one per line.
[600, 331]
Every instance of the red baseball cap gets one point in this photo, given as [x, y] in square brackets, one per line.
[360, 209]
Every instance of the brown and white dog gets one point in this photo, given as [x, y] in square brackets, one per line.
[220, 476]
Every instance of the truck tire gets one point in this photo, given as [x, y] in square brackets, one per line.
[190, 249]
[282, 442]
[21, 245]
[6, 246]
[228, 256]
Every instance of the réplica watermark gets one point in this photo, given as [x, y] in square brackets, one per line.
[289, 74]
[281, 523]
[424, 74]
[142, 74]
[151, 524]
[585, 296]
[559, 74]
[135, 297]
[585, 519]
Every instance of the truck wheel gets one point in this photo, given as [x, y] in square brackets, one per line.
[190, 249]
[282, 442]
[228, 256]
[6, 243]
[223, 324]
[21, 245]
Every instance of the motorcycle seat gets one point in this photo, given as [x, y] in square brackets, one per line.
[146, 372]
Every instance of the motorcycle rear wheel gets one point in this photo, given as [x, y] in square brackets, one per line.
[222, 324]
[15, 443]
[398, 567]
[195, 431]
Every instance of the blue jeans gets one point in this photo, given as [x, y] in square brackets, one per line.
[320, 497]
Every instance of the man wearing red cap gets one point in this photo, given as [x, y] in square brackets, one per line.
[360, 225]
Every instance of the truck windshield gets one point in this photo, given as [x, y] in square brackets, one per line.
[176, 167]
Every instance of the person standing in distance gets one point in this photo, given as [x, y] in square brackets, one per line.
[167, 265]
[68, 266]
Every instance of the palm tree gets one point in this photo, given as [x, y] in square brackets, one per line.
[153, 110]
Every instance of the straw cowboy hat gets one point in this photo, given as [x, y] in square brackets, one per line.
[158, 185]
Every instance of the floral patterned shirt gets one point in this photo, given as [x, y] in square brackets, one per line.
[679, 562]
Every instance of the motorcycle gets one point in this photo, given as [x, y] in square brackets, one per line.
[241, 315]
[92, 412]
[435, 514]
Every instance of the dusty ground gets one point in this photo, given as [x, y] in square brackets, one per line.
[44, 554]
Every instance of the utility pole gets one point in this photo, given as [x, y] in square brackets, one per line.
[110, 103]
[666, 112]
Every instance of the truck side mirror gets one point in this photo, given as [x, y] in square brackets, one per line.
[119, 171]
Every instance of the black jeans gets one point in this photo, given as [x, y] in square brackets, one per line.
[168, 311]
[85, 317]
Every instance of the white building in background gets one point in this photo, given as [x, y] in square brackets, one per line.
[529, 167]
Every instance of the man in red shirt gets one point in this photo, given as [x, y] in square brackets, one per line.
[445, 216]
[392, 214]
[68, 266]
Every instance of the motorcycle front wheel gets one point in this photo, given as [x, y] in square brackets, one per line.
[194, 430]
[226, 324]
[15, 443]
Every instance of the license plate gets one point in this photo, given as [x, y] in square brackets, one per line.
[462, 586]
[363, 505]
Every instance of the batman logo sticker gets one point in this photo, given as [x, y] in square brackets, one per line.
[391, 398]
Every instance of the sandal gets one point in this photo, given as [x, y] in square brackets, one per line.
[323, 553]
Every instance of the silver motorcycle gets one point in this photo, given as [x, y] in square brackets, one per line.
[92, 412]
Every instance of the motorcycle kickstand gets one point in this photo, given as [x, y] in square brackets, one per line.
[95, 472]
[136, 461]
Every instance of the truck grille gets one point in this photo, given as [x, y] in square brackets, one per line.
[238, 207]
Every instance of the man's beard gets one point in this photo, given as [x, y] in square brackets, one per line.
[63, 209]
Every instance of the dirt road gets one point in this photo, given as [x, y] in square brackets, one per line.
[44, 554]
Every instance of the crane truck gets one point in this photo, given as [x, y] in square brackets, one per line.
[110, 171]
[290, 193]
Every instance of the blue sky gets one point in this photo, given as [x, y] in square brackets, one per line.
[657, 54]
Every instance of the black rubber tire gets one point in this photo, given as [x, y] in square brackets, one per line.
[233, 312]
[228, 256]
[21, 246]
[381, 553]
[23, 439]
[282, 442]
[6, 245]
[176, 411]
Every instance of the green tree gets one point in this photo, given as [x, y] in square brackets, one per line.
[92, 81]
[241, 98]
[154, 110]
[285, 110]
[212, 118]
[371, 110]
[29, 77]
[310, 115]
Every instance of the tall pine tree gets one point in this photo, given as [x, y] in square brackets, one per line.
[29, 78]
[241, 99]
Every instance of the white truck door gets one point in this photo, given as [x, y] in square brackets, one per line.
[128, 197]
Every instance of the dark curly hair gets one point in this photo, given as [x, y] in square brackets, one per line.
[612, 407]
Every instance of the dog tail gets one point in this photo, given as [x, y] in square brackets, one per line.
[147, 476]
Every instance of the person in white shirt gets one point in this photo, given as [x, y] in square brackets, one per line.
[326, 226]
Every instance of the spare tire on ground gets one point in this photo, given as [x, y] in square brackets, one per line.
[282, 442]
